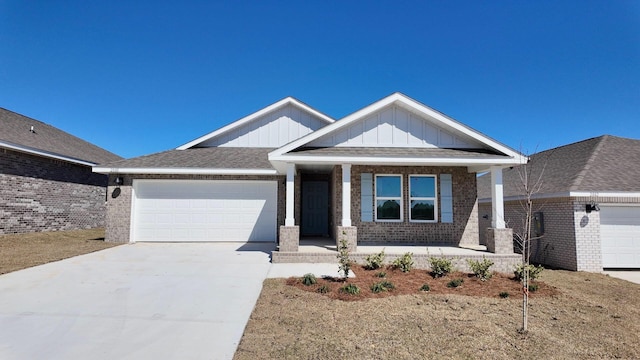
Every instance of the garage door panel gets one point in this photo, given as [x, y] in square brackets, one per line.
[620, 236]
[189, 210]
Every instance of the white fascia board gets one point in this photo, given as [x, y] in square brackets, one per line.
[186, 171]
[571, 194]
[411, 104]
[255, 115]
[297, 159]
[45, 154]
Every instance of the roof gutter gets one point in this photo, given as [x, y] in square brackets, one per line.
[183, 171]
[43, 153]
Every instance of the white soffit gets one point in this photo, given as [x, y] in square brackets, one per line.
[256, 115]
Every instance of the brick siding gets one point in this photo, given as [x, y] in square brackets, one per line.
[572, 236]
[463, 230]
[41, 194]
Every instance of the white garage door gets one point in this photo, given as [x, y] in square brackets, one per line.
[620, 236]
[202, 210]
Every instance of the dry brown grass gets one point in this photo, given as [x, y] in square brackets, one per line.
[592, 317]
[20, 251]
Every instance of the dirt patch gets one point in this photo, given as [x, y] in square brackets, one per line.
[20, 251]
[405, 283]
[591, 316]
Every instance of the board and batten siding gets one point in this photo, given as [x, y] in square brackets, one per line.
[275, 129]
[394, 126]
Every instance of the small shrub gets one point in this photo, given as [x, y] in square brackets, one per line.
[404, 263]
[440, 266]
[381, 274]
[382, 286]
[374, 261]
[351, 289]
[534, 271]
[533, 287]
[343, 258]
[504, 294]
[425, 287]
[388, 284]
[309, 279]
[455, 283]
[481, 268]
[323, 289]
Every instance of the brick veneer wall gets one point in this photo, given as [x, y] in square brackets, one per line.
[118, 227]
[41, 194]
[463, 230]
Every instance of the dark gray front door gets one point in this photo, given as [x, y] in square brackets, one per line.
[315, 208]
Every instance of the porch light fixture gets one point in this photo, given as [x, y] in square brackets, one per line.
[118, 180]
[592, 207]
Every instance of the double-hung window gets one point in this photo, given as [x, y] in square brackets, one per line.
[388, 197]
[422, 198]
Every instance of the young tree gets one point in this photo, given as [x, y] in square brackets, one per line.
[530, 181]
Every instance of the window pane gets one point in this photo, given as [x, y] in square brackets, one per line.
[388, 186]
[422, 210]
[388, 210]
[423, 186]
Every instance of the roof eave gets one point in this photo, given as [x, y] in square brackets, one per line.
[46, 154]
[182, 171]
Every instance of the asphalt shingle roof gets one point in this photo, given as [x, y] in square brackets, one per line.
[605, 163]
[15, 129]
[206, 158]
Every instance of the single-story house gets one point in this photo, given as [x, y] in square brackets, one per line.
[587, 209]
[46, 178]
[393, 172]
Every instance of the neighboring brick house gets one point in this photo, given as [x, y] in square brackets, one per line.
[394, 172]
[46, 182]
[588, 204]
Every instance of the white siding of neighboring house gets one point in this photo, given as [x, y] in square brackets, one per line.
[395, 126]
[271, 130]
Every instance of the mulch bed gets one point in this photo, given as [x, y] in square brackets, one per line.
[411, 282]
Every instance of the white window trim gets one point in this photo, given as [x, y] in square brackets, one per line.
[375, 190]
[434, 198]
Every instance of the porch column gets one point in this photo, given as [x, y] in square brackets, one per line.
[346, 232]
[289, 219]
[346, 194]
[497, 198]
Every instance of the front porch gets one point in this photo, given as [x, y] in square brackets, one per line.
[324, 250]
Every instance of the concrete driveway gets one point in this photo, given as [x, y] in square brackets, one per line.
[141, 301]
[630, 275]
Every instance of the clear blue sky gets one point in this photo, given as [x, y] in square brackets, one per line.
[138, 77]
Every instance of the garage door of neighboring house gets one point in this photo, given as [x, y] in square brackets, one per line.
[204, 210]
[620, 236]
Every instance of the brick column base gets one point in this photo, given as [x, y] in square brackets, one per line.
[348, 233]
[289, 238]
[499, 241]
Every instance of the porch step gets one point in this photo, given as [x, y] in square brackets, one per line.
[502, 263]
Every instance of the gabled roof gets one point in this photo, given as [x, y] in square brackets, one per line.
[48, 141]
[256, 115]
[508, 155]
[211, 160]
[602, 164]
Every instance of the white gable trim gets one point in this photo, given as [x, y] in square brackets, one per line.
[419, 108]
[46, 154]
[254, 116]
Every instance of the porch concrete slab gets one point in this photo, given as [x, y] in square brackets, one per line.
[140, 301]
[631, 275]
[300, 269]
[431, 250]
